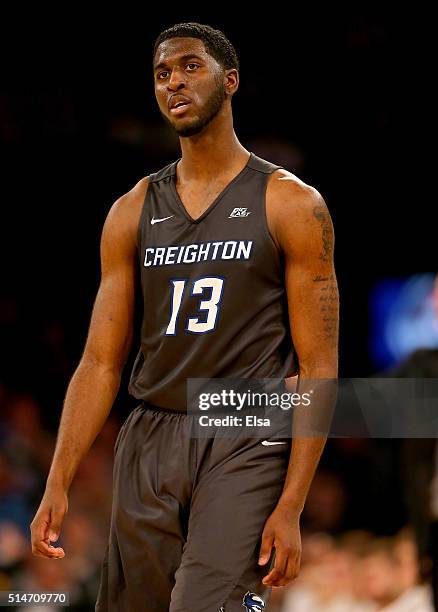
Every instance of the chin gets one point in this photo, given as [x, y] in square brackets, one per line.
[189, 129]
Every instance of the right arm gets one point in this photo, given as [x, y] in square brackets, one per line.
[95, 382]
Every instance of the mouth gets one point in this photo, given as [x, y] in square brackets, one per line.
[179, 108]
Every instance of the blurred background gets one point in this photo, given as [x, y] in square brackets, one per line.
[328, 95]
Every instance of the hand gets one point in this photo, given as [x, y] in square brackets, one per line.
[46, 526]
[281, 531]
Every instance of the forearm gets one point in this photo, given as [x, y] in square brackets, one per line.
[303, 462]
[88, 401]
[309, 432]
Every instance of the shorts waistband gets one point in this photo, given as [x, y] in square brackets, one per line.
[214, 410]
[148, 406]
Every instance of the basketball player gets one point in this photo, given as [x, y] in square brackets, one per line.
[236, 272]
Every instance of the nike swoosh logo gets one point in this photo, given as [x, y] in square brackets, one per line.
[267, 443]
[159, 220]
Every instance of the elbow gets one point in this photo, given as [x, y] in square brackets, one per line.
[319, 368]
[105, 368]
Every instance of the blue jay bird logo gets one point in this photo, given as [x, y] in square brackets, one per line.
[252, 602]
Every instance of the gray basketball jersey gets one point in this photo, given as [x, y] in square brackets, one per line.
[213, 289]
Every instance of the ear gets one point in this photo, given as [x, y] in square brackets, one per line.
[231, 81]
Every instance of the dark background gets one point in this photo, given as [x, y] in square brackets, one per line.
[80, 127]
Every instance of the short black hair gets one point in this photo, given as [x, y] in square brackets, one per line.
[215, 42]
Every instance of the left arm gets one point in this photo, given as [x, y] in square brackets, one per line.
[301, 226]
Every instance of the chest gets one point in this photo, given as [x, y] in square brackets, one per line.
[197, 198]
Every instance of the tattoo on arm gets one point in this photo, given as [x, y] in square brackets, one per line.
[321, 213]
[329, 306]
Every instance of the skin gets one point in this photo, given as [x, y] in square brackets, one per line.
[307, 245]
[313, 304]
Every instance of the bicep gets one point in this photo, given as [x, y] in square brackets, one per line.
[311, 285]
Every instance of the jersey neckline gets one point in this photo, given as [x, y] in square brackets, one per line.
[215, 201]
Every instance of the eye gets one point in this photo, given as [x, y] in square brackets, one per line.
[191, 65]
[160, 74]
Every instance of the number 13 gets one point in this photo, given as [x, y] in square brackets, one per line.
[194, 325]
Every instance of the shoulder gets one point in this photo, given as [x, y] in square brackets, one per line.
[289, 193]
[124, 215]
[294, 206]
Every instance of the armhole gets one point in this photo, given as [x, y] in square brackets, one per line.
[269, 236]
[140, 221]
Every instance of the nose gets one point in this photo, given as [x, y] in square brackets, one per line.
[176, 80]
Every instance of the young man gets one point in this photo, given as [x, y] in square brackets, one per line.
[236, 259]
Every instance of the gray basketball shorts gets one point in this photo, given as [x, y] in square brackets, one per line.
[187, 517]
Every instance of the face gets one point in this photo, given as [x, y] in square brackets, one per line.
[190, 85]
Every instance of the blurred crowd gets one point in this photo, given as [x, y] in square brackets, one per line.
[356, 572]
[344, 568]
[26, 448]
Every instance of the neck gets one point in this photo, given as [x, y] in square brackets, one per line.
[215, 149]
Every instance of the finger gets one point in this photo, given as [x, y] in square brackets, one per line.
[39, 527]
[56, 518]
[58, 555]
[43, 549]
[57, 552]
[266, 548]
[292, 569]
[38, 530]
[291, 572]
[278, 571]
